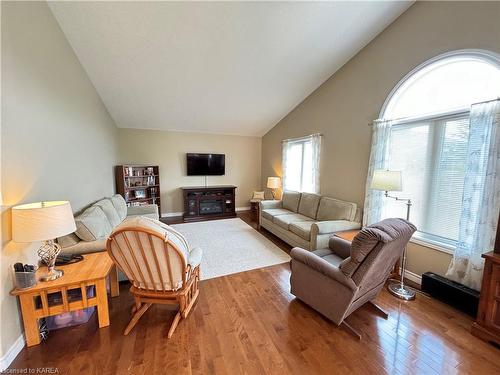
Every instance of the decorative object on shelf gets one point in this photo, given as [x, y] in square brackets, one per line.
[385, 180]
[43, 221]
[273, 183]
[140, 194]
[138, 182]
[24, 276]
[496, 249]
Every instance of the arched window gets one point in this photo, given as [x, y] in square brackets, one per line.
[430, 109]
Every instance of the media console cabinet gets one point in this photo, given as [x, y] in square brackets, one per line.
[205, 203]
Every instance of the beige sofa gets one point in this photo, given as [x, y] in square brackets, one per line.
[308, 220]
[95, 224]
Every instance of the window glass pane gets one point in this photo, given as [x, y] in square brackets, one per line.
[448, 181]
[294, 166]
[410, 152]
[307, 173]
[449, 84]
[432, 157]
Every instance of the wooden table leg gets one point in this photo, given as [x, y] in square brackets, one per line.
[30, 322]
[102, 303]
[113, 281]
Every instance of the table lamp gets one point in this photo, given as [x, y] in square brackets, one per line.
[392, 181]
[273, 183]
[43, 221]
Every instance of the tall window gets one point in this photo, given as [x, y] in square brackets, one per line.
[301, 163]
[428, 139]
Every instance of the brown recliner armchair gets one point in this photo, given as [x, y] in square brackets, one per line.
[338, 280]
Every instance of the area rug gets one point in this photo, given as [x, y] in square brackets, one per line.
[230, 246]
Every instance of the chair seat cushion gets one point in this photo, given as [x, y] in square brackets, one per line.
[284, 221]
[329, 256]
[302, 229]
[270, 213]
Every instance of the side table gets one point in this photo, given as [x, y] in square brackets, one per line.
[347, 235]
[90, 272]
[254, 208]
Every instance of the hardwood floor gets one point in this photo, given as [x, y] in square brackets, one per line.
[250, 323]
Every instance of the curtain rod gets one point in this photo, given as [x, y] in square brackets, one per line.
[416, 118]
[300, 138]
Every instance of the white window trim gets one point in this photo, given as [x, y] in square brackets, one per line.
[482, 55]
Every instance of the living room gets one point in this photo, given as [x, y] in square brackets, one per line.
[266, 143]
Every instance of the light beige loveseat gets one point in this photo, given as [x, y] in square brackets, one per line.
[95, 224]
[308, 220]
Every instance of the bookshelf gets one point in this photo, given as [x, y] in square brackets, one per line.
[138, 184]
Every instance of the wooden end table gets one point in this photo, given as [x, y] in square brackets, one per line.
[254, 208]
[91, 271]
[347, 235]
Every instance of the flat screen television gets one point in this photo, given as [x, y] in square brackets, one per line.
[206, 164]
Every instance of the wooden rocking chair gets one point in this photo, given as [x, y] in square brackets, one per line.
[159, 264]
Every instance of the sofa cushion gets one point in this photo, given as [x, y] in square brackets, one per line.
[291, 200]
[110, 211]
[120, 206]
[335, 209]
[329, 256]
[270, 213]
[92, 224]
[302, 229]
[285, 220]
[308, 205]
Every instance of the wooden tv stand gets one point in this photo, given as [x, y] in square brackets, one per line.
[211, 202]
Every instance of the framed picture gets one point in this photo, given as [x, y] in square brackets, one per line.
[140, 193]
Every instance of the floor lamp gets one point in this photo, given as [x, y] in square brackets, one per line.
[392, 181]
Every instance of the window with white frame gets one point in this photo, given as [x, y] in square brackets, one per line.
[429, 139]
[300, 162]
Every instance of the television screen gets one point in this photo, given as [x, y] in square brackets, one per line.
[206, 164]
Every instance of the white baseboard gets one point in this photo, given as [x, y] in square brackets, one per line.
[12, 353]
[174, 214]
[242, 209]
[413, 277]
[171, 214]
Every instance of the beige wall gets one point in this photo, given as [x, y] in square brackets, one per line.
[58, 140]
[168, 150]
[343, 106]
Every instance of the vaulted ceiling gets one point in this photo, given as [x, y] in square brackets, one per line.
[222, 67]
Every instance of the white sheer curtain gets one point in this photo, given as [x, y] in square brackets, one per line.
[316, 154]
[381, 131]
[301, 163]
[481, 195]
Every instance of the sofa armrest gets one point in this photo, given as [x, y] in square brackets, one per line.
[148, 209]
[320, 265]
[270, 204]
[340, 246]
[332, 226]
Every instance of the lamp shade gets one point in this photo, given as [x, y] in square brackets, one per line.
[273, 182]
[387, 180]
[42, 221]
